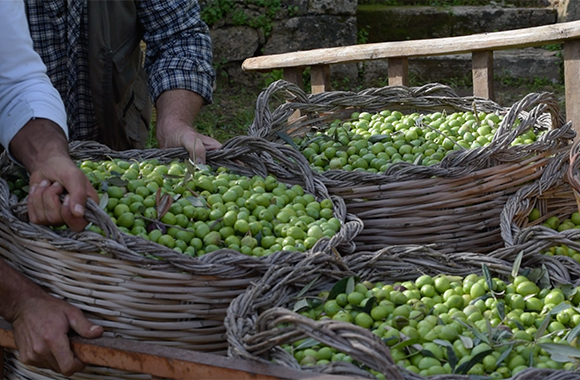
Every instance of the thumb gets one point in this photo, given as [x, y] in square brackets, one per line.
[196, 150]
[84, 327]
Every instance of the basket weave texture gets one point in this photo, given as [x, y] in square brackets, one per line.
[177, 300]
[455, 204]
[553, 194]
[254, 318]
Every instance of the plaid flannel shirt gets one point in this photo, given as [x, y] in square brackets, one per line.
[178, 53]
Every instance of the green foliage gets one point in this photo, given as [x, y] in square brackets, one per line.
[217, 10]
[362, 36]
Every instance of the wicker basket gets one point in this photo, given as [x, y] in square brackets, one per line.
[254, 319]
[553, 194]
[177, 301]
[455, 204]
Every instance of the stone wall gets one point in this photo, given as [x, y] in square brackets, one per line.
[310, 24]
[297, 25]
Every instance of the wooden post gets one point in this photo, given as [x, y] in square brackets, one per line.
[572, 83]
[320, 78]
[482, 71]
[294, 75]
[398, 71]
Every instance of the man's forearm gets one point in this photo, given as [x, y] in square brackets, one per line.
[178, 105]
[36, 141]
[13, 288]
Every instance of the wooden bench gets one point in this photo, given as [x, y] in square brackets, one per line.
[481, 47]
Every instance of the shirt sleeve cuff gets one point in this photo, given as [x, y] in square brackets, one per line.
[20, 112]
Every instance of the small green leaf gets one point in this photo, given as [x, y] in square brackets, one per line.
[451, 357]
[339, 287]
[307, 288]
[104, 201]
[518, 325]
[504, 355]
[371, 302]
[376, 138]
[301, 305]
[561, 349]
[483, 298]
[427, 353]
[350, 284]
[307, 343]
[197, 201]
[500, 310]
[465, 367]
[487, 277]
[543, 327]
[406, 343]
[517, 264]
[467, 341]
[573, 334]
[116, 181]
[560, 307]
[287, 139]
[475, 331]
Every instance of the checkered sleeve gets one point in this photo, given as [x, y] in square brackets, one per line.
[178, 53]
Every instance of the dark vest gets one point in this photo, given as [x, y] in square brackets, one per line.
[118, 80]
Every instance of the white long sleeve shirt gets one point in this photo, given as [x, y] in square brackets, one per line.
[25, 90]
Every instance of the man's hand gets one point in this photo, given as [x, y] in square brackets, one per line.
[42, 148]
[176, 111]
[41, 325]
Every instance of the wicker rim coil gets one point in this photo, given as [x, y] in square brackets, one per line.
[455, 204]
[176, 300]
[254, 318]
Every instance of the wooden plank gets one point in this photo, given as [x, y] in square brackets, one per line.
[511, 39]
[572, 83]
[320, 78]
[172, 363]
[482, 71]
[398, 71]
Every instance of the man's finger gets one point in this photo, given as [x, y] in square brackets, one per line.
[82, 326]
[52, 204]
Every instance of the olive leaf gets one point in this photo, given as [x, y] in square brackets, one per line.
[307, 288]
[504, 355]
[369, 304]
[287, 139]
[406, 343]
[465, 367]
[561, 350]
[301, 305]
[163, 203]
[488, 279]
[543, 326]
[307, 343]
[500, 306]
[339, 287]
[376, 138]
[451, 357]
[573, 334]
[475, 331]
[517, 264]
[466, 341]
[560, 307]
[186, 177]
[104, 201]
